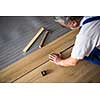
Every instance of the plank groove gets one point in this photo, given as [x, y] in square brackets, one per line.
[29, 69]
[37, 58]
[83, 72]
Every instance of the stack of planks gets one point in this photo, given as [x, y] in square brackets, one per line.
[29, 68]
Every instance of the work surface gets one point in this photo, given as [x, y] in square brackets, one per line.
[29, 68]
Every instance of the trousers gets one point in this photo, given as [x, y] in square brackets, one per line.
[94, 57]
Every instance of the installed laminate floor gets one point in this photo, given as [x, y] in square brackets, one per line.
[29, 68]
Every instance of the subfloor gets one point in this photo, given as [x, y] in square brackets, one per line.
[16, 32]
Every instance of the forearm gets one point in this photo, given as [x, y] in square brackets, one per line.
[69, 62]
[56, 58]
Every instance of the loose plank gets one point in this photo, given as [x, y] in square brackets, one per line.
[33, 39]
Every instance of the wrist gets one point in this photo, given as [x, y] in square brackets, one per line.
[61, 63]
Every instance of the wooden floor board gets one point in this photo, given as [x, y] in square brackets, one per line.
[32, 61]
[28, 70]
[83, 72]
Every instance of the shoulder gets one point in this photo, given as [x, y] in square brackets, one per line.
[84, 18]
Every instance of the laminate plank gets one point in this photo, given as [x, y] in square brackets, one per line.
[37, 58]
[84, 72]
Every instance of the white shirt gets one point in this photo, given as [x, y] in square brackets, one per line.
[87, 39]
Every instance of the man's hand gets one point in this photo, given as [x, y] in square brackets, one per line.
[55, 58]
[58, 60]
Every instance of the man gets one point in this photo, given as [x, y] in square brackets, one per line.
[87, 40]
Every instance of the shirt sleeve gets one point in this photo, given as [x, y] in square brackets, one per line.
[83, 47]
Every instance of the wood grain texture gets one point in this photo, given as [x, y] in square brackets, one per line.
[28, 70]
[83, 72]
[37, 58]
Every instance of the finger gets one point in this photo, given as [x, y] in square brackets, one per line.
[53, 57]
[51, 60]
